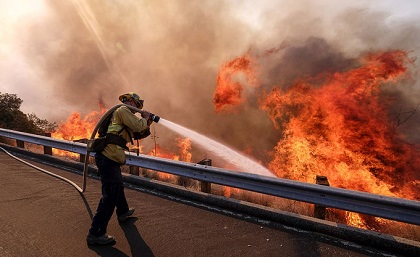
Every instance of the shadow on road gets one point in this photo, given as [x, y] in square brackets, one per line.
[107, 251]
[138, 246]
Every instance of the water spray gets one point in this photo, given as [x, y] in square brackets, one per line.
[241, 161]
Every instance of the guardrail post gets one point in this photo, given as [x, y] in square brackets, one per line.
[205, 186]
[319, 210]
[135, 170]
[20, 143]
[82, 156]
[47, 149]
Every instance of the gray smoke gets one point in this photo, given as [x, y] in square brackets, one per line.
[170, 51]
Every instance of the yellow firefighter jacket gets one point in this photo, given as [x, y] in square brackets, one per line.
[123, 117]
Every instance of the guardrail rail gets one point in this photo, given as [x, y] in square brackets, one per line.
[393, 208]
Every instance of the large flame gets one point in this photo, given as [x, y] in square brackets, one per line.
[184, 145]
[341, 129]
[77, 127]
[229, 87]
[338, 125]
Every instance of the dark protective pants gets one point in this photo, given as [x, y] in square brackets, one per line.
[112, 194]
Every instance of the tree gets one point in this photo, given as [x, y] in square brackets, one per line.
[42, 125]
[11, 117]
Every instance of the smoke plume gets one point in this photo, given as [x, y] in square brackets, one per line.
[170, 52]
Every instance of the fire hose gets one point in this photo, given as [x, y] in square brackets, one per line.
[153, 117]
[43, 170]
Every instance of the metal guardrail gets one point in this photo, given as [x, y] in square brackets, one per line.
[393, 208]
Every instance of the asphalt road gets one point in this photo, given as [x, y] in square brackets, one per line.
[41, 215]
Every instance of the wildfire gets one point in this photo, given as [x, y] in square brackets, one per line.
[184, 147]
[76, 128]
[163, 153]
[341, 129]
[185, 155]
[338, 125]
[228, 88]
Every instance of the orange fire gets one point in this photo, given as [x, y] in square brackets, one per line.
[341, 129]
[185, 155]
[337, 125]
[184, 146]
[229, 88]
[163, 153]
[75, 128]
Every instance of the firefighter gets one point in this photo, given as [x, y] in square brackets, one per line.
[124, 123]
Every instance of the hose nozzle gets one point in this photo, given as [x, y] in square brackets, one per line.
[154, 118]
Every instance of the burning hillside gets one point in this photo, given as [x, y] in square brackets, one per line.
[308, 106]
[333, 124]
[338, 125]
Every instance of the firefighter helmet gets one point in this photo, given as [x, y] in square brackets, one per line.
[132, 96]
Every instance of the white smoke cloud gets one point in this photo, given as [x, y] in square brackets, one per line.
[63, 56]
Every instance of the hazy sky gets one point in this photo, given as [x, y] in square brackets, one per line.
[64, 56]
[258, 22]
